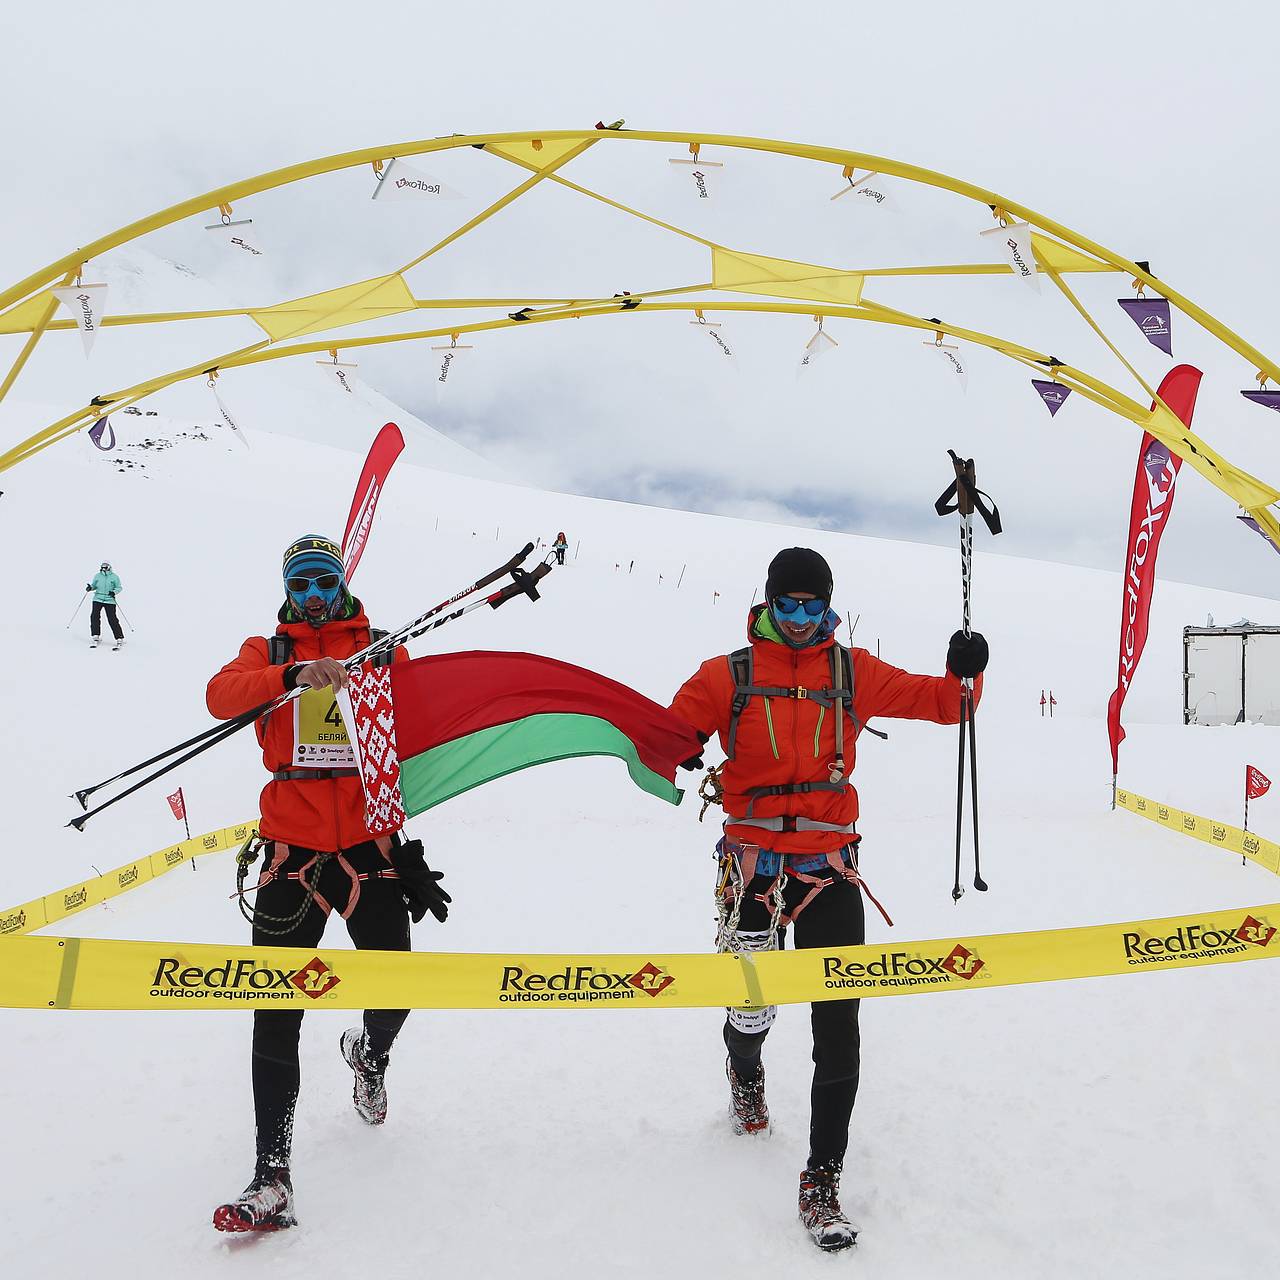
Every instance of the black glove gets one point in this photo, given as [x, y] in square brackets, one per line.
[695, 762]
[967, 655]
[87, 587]
[418, 883]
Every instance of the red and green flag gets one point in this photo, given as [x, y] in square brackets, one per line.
[427, 730]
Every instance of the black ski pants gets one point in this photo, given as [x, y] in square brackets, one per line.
[95, 619]
[833, 919]
[379, 922]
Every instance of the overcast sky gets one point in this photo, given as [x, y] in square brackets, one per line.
[1148, 128]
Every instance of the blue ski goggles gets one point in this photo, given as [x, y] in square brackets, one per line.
[789, 607]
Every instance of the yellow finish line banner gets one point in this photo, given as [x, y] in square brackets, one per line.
[1266, 853]
[66, 902]
[91, 973]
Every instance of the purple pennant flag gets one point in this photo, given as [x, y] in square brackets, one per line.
[1258, 529]
[1152, 316]
[102, 428]
[1054, 394]
[1268, 399]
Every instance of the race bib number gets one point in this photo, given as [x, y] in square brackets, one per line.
[319, 737]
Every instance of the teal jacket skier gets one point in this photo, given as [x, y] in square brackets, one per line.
[105, 586]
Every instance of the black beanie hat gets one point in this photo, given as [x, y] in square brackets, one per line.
[798, 569]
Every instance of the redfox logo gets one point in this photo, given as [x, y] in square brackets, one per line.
[315, 978]
[1255, 931]
[651, 980]
[962, 962]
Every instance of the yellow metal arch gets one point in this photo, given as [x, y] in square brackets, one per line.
[772, 284]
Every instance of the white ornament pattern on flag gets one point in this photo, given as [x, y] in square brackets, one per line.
[375, 731]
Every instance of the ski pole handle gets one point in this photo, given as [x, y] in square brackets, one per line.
[523, 583]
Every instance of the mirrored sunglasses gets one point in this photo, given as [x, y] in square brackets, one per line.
[787, 605]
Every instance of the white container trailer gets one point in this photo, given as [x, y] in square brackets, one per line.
[1231, 675]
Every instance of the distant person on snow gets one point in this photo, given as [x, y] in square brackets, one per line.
[788, 710]
[320, 855]
[560, 546]
[105, 587]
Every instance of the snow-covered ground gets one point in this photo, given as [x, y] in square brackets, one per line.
[1127, 1125]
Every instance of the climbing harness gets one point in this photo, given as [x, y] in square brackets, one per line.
[277, 926]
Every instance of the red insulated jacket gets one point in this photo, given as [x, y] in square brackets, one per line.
[788, 739]
[326, 814]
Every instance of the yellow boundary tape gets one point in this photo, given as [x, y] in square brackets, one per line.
[88, 893]
[93, 973]
[1266, 853]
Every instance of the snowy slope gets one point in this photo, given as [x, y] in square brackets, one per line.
[1005, 1133]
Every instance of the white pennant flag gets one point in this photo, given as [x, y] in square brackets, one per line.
[869, 191]
[956, 364]
[342, 375]
[1014, 244]
[712, 330]
[816, 347]
[87, 304]
[239, 237]
[401, 181]
[229, 420]
[701, 172]
[446, 372]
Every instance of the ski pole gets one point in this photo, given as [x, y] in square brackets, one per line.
[525, 583]
[968, 498]
[80, 606]
[125, 616]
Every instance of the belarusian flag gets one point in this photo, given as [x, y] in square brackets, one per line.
[427, 730]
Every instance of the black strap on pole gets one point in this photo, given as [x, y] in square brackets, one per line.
[968, 497]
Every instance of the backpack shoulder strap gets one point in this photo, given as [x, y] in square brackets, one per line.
[846, 659]
[279, 650]
[741, 667]
[387, 656]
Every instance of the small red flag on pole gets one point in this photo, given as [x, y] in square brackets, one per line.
[179, 806]
[1256, 783]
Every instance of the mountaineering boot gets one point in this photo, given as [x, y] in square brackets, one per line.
[820, 1209]
[266, 1204]
[747, 1107]
[93, 641]
[370, 1093]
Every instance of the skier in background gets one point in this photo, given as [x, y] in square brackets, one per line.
[321, 855]
[105, 587]
[790, 848]
[560, 546]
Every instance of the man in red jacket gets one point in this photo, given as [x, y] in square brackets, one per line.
[321, 854]
[788, 710]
